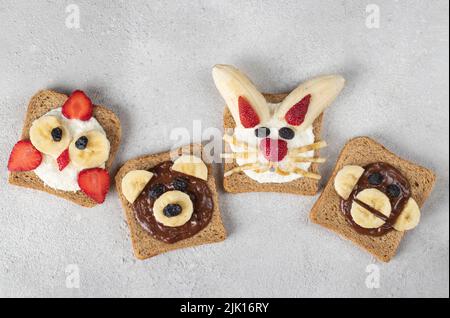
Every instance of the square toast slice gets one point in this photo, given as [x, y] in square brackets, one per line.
[144, 245]
[40, 104]
[363, 151]
[240, 182]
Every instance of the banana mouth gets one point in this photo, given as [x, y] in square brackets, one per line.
[370, 208]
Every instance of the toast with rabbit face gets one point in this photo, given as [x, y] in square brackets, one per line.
[274, 143]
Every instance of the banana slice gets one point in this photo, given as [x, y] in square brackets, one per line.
[192, 166]
[377, 200]
[89, 150]
[134, 182]
[409, 218]
[173, 209]
[49, 136]
[233, 84]
[346, 180]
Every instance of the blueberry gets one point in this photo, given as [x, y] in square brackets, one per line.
[172, 210]
[286, 133]
[262, 132]
[393, 190]
[57, 134]
[156, 191]
[180, 184]
[82, 143]
[375, 178]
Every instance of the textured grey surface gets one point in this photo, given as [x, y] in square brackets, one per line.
[150, 62]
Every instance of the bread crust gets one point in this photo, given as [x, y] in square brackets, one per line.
[363, 151]
[40, 104]
[240, 182]
[144, 245]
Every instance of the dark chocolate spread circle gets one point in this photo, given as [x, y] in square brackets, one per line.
[198, 191]
[390, 178]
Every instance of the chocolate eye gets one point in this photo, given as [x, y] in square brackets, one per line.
[393, 190]
[156, 191]
[262, 132]
[286, 133]
[375, 178]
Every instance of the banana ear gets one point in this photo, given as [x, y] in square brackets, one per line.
[305, 103]
[346, 179]
[409, 218]
[247, 105]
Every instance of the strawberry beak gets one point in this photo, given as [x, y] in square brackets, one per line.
[274, 150]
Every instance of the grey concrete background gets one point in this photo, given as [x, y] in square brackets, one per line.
[150, 62]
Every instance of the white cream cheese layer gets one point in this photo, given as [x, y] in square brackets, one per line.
[303, 138]
[48, 171]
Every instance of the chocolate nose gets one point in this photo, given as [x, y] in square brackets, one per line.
[273, 149]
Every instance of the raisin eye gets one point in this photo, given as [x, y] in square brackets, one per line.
[262, 132]
[375, 178]
[393, 190]
[286, 133]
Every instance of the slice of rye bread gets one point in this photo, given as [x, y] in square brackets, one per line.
[43, 102]
[240, 182]
[363, 151]
[144, 245]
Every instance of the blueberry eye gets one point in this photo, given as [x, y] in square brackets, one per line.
[393, 190]
[262, 132]
[180, 184]
[157, 191]
[375, 178]
[286, 133]
[57, 134]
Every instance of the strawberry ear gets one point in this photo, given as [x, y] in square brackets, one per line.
[247, 114]
[297, 113]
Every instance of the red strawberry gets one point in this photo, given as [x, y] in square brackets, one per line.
[63, 160]
[78, 106]
[273, 150]
[24, 157]
[296, 115]
[249, 118]
[94, 183]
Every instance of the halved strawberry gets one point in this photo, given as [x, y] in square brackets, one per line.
[63, 160]
[273, 150]
[94, 183]
[78, 106]
[296, 115]
[248, 116]
[24, 157]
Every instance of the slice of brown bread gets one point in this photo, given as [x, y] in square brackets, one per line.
[363, 151]
[43, 102]
[240, 182]
[144, 245]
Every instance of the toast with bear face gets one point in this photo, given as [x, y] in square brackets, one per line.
[274, 144]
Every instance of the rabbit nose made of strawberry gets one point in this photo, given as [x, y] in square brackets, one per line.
[273, 150]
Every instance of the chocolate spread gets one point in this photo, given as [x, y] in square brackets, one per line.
[197, 190]
[390, 177]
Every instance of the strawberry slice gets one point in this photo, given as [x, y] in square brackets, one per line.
[249, 118]
[296, 115]
[63, 160]
[78, 106]
[94, 183]
[24, 157]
